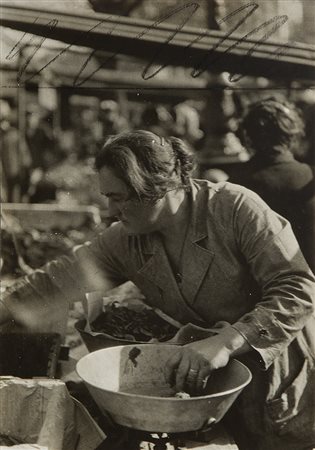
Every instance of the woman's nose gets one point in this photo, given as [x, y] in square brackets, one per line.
[113, 208]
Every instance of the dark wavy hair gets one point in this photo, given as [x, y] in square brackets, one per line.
[146, 162]
[272, 124]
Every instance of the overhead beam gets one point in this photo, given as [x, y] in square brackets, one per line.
[163, 44]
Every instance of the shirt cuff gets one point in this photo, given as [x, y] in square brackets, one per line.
[264, 334]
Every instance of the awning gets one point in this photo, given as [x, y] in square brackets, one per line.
[66, 68]
[163, 44]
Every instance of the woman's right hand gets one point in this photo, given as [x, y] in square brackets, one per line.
[189, 368]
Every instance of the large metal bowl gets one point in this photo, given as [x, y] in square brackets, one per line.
[128, 383]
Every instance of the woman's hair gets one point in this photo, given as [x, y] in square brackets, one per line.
[271, 124]
[146, 162]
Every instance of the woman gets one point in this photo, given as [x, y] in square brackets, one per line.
[205, 254]
[272, 130]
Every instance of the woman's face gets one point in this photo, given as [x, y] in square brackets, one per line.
[137, 217]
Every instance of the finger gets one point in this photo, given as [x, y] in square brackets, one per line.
[171, 366]
[202, 379]
[190, 385]
[191, 378]
[192, 374]
[195, 381]
[182, 372]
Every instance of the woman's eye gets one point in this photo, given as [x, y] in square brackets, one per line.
[115, 198]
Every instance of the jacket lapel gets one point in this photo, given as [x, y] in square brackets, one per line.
[156, 266]
[198, 257]
[197, 262]
[158, 271]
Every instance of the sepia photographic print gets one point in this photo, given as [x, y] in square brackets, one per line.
[157, 225]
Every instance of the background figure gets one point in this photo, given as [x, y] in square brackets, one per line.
[270, 131]
[89, 134]
[45, 151]
[187, 123]
[15, 157]
[157, 119]
[111, 118]
[41, 139]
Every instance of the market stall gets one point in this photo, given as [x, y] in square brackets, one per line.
[118, 323]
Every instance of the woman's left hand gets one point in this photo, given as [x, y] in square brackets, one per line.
[189, 368]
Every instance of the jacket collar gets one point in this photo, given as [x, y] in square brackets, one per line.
[199, 200]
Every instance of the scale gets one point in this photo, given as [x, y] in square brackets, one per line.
[123, 438]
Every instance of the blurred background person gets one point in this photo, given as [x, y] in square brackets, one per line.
[112, 119]
[16, 159]
[89, 134]
[45, 152]
[271, 130]
[41, 138]
[187, 123]
[157, 119]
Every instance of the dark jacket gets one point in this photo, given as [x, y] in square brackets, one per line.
[288, 187]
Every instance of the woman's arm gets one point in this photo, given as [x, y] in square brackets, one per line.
[266, 242]
[39, 298]
[274, 258]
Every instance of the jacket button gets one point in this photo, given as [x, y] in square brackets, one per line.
[263, 332]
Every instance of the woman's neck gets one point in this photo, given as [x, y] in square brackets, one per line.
[176, 216]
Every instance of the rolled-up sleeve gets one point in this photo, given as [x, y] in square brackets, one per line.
[271, 250]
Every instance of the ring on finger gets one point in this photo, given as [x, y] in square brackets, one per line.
[202, 380]
[192, 374]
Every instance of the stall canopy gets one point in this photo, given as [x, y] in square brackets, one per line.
[69, 67]
[162, 44]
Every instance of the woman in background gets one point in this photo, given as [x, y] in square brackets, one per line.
[271, 130]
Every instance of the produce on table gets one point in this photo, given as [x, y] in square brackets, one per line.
[37, 247]
[122, 322]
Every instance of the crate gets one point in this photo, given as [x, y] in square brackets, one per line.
[40, 413]
[28, 355]
[48, 216]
